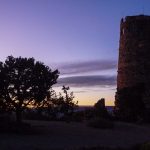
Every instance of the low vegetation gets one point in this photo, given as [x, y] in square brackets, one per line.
[130, 106]
[100, 123]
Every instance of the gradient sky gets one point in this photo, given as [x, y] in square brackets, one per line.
[79, 37]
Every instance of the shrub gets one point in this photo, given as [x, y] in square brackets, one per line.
[78, 116]
[145, 146]
[129, 104]
[101, 123]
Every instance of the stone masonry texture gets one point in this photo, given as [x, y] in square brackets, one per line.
[134, 54]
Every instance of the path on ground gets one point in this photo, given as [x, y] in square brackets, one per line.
[60, 135]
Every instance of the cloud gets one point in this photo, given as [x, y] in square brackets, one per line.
[87, 66]
[80, 74]
[88, 81]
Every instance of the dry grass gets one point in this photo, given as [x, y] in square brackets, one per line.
[61, 135]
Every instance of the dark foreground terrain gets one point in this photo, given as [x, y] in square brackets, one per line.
[61, 135]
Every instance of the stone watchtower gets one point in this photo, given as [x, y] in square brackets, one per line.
[134, 54]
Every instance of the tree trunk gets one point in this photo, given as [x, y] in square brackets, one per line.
[18, 116]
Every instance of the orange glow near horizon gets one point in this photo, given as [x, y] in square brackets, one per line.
[89, 96]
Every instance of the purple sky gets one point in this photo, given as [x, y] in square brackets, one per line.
[79, 37]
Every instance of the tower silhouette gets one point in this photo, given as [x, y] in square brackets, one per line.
[134, 56]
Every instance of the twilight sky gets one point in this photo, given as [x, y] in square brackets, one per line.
[79, 37]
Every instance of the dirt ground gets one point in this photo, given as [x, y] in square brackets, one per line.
[61, 135]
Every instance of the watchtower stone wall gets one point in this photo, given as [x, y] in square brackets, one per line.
[134, 54]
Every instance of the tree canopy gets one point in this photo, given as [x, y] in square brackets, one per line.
[24, 82]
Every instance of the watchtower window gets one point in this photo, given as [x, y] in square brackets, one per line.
[122, 31]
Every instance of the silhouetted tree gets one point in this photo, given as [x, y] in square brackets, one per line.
[129, 103]
[48, 105]
[66, 103]
[24, 82]
[58, 104]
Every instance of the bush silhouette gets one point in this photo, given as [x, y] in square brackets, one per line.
[129, 104]
[58, 105]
